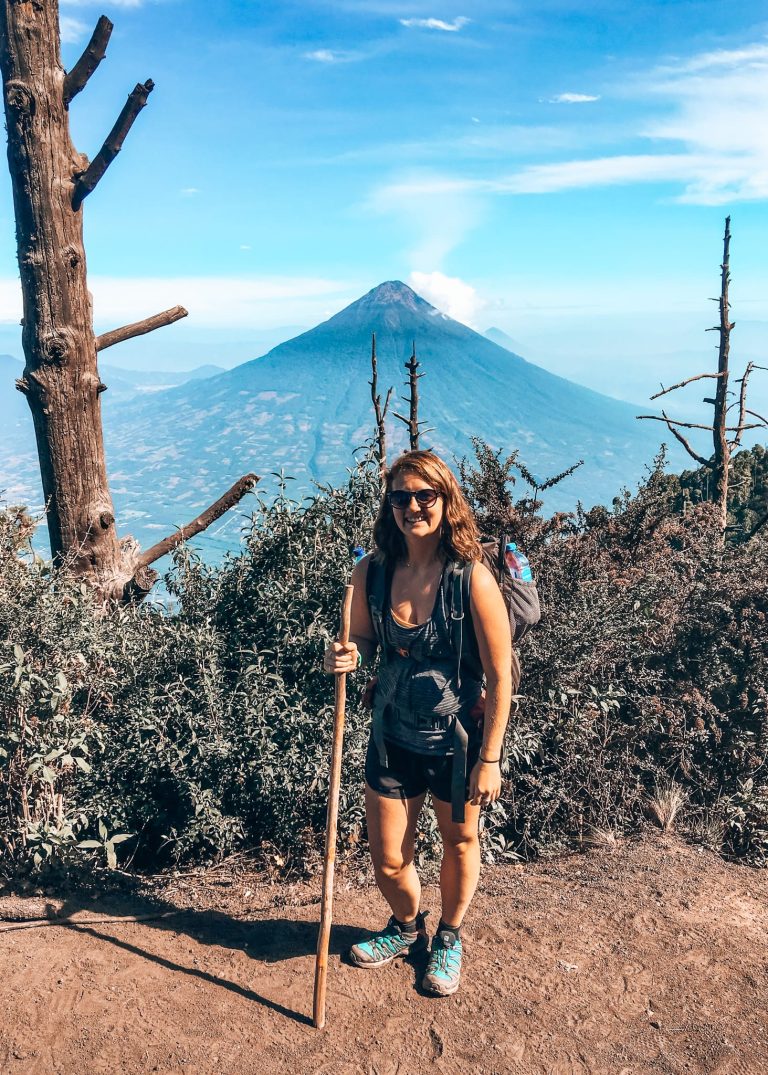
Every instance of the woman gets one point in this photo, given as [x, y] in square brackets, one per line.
[425, 706]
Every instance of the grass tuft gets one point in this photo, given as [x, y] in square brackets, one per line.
[665, 804]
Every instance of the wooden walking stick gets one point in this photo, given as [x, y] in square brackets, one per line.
[321, 963]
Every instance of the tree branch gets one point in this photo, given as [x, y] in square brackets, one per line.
[557, 478]
[756, 415]
[742, 405]
[679, 436]
[202, 522]
[682, 384]
[113, 143]
[139, 328]
[690, 425]
[94, 53]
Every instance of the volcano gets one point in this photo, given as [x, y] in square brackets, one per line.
[305, 406]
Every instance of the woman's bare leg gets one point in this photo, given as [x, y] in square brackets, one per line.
[460, 868]
[391, 836]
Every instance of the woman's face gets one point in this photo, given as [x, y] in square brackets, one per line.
[417, 520]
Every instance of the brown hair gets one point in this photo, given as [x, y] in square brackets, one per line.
[460, 539]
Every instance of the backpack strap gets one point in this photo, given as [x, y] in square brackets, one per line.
[455, 605]
[501, 563]
[461, 630]
[471, 651]
[459, 772]
[377, 585]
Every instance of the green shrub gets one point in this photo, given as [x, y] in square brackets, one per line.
[161, 734]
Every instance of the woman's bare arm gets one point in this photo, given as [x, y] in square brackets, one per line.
[494, 641]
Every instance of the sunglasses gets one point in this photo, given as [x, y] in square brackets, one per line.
[401, 498]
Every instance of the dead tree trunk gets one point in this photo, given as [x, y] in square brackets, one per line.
[412, 421]
[50, 179]
[720, 460]
[722, 453]
[379, 412]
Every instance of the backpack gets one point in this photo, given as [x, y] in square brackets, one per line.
[521, 599]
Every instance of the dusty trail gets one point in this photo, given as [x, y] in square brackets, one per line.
[651, 959]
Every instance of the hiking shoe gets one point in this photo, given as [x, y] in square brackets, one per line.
[390, 943]
[444, 967]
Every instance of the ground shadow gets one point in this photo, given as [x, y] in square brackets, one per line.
[268, 940]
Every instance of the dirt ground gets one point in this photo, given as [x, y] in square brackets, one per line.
[652, 958]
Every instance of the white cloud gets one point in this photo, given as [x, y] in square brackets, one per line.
[701, 173]
[448, 293]
[436, 212]
[436, 24]
[393, 196]
[705, 130]
[72, 30]
[224, 301]
[600, 172]
[718, 102]
[478, 142]
[330, 56]
[756, 53]
[571, 98]
[188, 192]
[215, 300]
[321, 55]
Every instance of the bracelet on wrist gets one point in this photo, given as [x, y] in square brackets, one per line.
[490, 761]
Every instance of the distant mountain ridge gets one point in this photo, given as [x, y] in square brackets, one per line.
[148, 380]
[497, 335]
[19, 475]
[305, 406]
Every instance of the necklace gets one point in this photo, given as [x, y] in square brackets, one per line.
[429, 563]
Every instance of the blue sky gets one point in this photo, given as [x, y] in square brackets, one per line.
[559, 170]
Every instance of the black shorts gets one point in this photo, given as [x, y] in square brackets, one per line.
[408, 774]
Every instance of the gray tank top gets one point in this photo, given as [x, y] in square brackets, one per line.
[417, 690]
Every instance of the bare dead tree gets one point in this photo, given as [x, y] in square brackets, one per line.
[379, 411]
[61, 382]
[412, 421]
[724, 446]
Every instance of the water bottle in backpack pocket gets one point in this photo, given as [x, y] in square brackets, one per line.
[512, 571]
[517, 563]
